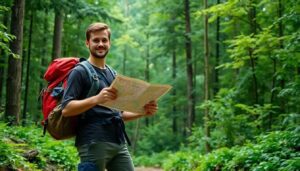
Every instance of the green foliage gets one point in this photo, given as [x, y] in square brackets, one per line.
[154, 30]
[5, 37]
[10, 157]
[231, 8]
[153, 160]
[157, 137]
[262, 44]
[182, 161]
[274, 151]
[16, 140]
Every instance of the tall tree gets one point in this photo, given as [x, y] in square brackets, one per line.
[3, 60]
[189, 66]
[217, 62]
[126, 27]
[280, 34]
[253, 29]
[174, 76]
[28, 68]
[147, 66]
[206, 81]
[58, 26]
[13, 85]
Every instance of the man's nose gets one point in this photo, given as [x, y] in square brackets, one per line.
[100, 43]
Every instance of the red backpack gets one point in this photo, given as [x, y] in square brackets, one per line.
[57, 73]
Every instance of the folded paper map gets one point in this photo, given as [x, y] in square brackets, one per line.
[133, 94]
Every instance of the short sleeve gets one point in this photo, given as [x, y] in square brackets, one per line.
[75, 86]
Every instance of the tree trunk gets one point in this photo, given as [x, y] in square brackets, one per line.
[125, 46]
[43, 59]
[174, 76]
[124, 60]
[147, 71]
[253, 63]
[78, 35]
[27, 70]
[206, 81]
[272, 91]
[3, 62]
[58, 26]
[280, 32]
[13, 84]
[189, 68]
[216, 83]
[253, 28]
[136, 136]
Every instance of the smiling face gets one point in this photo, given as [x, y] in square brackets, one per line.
[98, 43]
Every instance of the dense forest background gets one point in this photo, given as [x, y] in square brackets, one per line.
[234, 66]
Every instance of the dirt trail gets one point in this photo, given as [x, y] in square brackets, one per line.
[147, 169]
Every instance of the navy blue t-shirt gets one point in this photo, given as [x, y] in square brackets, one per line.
[96, 124]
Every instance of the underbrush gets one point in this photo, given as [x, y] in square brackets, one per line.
[274, 151]
[153, 160]
[24, 148]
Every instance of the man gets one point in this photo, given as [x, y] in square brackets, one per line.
[100, 136]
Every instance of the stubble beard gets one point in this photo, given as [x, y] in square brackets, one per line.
[96, 55]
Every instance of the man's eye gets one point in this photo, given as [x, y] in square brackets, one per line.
[96, 40]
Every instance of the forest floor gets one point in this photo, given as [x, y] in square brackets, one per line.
[147, 169]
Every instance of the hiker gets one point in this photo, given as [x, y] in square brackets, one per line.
[100, 138]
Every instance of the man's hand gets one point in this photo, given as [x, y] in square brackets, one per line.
[151, 108]
[107, 94]
[76, 107]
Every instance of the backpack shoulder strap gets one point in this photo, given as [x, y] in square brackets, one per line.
[92, 76]
[112, 71]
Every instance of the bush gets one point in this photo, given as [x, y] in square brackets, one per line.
[275, 151]
[156, 138]
[182, 161]
[153, 160]
[16, 140]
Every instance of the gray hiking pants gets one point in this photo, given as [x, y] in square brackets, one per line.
[104, 155]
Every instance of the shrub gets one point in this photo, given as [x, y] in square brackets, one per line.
[153, 160]
[275, 151]
[182, 161]
[16, 140]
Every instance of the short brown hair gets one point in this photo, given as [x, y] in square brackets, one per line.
[97, 27]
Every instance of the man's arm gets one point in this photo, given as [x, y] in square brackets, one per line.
[76, 107]
[150, 109]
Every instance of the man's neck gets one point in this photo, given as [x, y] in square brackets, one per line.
[98, 62]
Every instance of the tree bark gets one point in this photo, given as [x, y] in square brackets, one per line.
[58, 26]
[13, 85]
[3, 62]
[206, 82]
[174, 76]
[147, 71]
[189, 68]
[216, 83]
[253, 28]
[280, 33]
[272, 91]
[44, 61]
[125, 46]
[27, 70]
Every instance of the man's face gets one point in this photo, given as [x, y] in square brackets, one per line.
[98, 44]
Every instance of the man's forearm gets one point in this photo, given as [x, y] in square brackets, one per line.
[76, 107]
[128, 116]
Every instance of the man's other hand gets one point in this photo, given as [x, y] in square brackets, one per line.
[151, 108]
